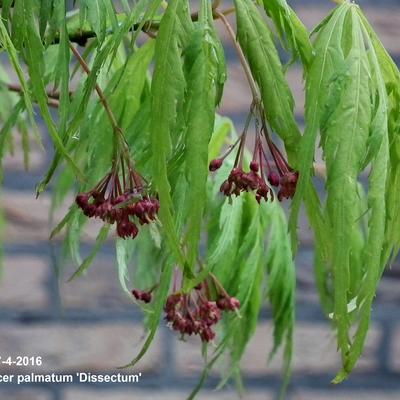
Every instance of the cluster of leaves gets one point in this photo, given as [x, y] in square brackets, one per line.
[164, 92]
[352, 92]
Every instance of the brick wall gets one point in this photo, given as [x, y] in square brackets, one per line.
[88, 325]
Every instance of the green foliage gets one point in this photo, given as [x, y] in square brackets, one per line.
[201, 77]
[291, 30]
[167, 93]
[257, 42]
[148, 90]
[347, 103]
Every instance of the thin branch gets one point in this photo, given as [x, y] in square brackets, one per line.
[52, 97]
[216, 4]
[15, 87]
[243, 61]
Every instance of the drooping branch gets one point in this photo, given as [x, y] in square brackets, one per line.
[82, 35]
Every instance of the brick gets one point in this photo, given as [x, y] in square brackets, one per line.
[388, 289]
[24, 394]
[334, 394]
[23, 284]
[26, 218]
[314, 352]
[189, 360]
[395, 348]
[160, 394]
[74, 348]
[386, 22]
[98, 289]
[15, 162]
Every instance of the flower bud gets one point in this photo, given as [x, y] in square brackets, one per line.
[274, 179]
[254, 166]
[226, 188]
[215, 164]
[207, 334]
[82, 200]
[126, 228]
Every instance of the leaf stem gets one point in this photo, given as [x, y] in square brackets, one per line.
[243, 61]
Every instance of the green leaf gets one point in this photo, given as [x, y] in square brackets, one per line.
[101, 238]
[124, 251]
[46, 9]
[6, 6]
[226, 238]
[327, 47]
[201, 65]
[221, 129]
[290, 29]
[97, 17]
[376, 204]
[131, 84]
[347, 103]
[6, 42]
[391, 77]
[6, 131]
[63, 223]
[166, 89]
[281, 284]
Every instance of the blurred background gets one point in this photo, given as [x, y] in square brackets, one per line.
[88, 325]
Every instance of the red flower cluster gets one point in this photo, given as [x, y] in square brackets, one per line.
[240, 181]
[118, 203]
[263, 172]
[195, 314]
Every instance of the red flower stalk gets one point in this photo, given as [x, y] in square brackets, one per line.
[119, 202]
[263, 173]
